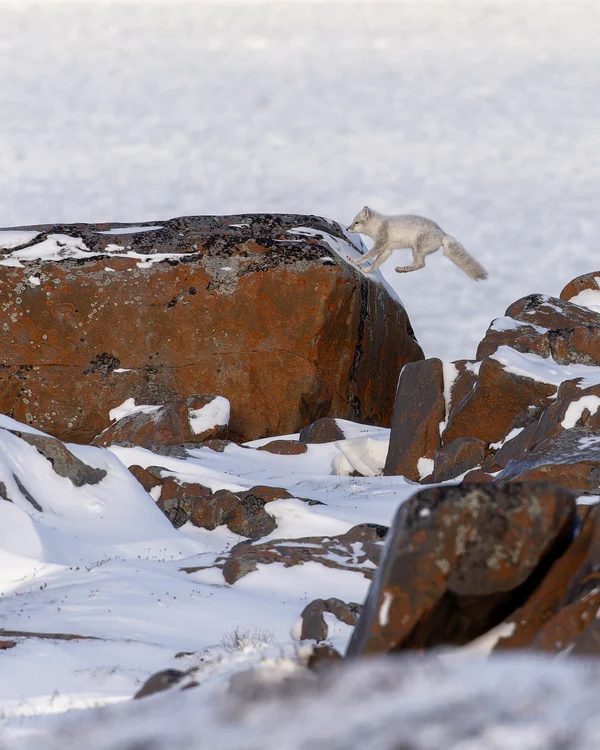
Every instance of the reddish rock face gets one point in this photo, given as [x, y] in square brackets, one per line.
[464, 382]
[570, 458]
[284, 447]
[547, 599]
[457, 560]
[242, 307]
[418, 412]
[460, 456]
[171, 424]
[551, 312]
[498, 397]
[587, 282]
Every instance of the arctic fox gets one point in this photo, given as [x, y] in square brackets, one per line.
[422, 235]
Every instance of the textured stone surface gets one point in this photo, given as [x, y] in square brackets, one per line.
[418, 411]
[588, 282]
[322, 431]
[551, 312]
[490, 409]
[169, 425]
[548, 597]
[571, 458]
[314, 626]
[458, 559]
[64, 463]
[284, 447]
[318, 337]
[359, 549]
[457, 458]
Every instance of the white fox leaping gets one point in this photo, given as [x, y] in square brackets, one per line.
[422, 235]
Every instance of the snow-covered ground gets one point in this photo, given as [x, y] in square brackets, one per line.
[482, 115]
[101, 561]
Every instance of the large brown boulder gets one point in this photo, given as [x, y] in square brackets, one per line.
[419, 409]
[499, 396]
[458, 560]
[252, 307]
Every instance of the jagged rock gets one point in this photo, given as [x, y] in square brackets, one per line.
[324, 430]
[457, 458]
[159, 682]
[477, 476]
[551, 313]
[458, 559]
[498, 397]
[323, 657]
[548, 597]
[571, 458]
[187, 420]
[583, 291]
[463, 381]
[146, 478]
[358, 550]
[419, 409]
[314, 626]
[64, 463]
[285, 447]
[319, 337]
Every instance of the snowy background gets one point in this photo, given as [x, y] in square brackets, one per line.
[481, 115]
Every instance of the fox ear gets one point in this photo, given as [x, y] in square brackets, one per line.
[366, 212]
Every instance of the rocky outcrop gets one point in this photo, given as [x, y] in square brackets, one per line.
[419, 410]
[187, 420]
[260, 309]
[458, 560]
[359, 549]
[242, 512]
[314, 625]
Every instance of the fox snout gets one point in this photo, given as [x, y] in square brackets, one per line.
[352, 227]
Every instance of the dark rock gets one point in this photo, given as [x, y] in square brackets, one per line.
[159, 682]
[170, 425]
[324, 430]
[457, 458]
[285, 447]
[458, 560]
[314, 626]
[64, 463]
[343, 552]
[546, 600]
[490, 410]
[571, 458]
[418, 412]
[551, 313]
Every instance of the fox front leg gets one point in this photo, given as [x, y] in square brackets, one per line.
[369, 255]
[381, 258]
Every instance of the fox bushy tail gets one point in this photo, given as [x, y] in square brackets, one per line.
[460, 257]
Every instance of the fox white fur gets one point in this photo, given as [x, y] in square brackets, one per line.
[421, 235]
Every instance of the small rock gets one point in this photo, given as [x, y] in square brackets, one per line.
[285, 447]
[324, 430]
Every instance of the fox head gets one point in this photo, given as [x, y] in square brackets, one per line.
[361, 220]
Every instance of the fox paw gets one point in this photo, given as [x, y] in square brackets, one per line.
[401, 269]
